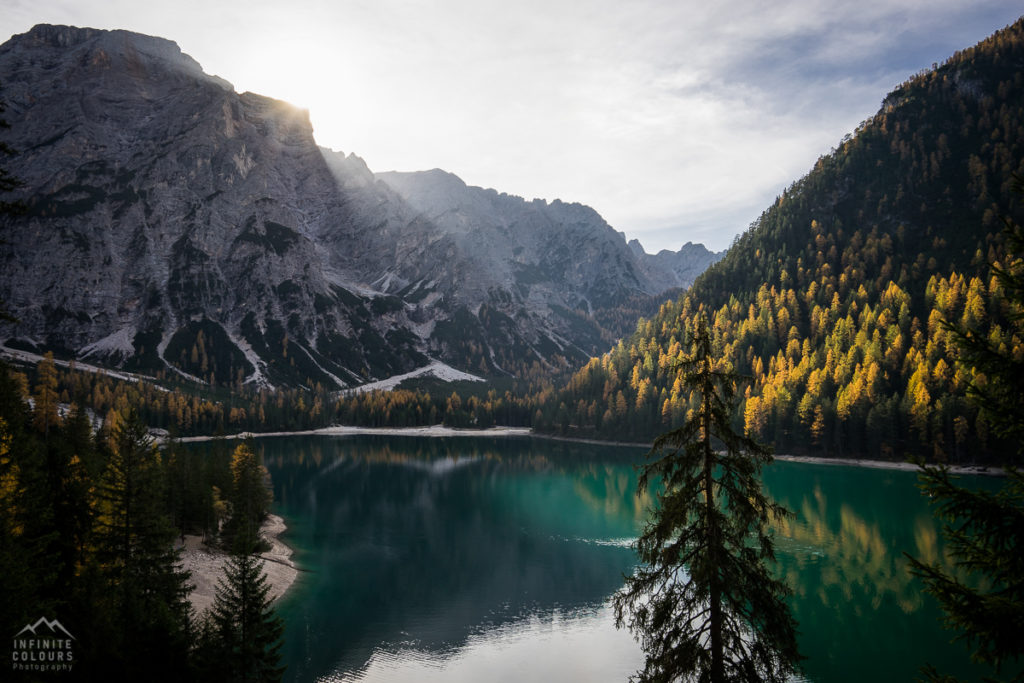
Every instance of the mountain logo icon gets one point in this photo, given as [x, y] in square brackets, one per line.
[55, 628]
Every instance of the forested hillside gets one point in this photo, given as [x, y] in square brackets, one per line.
[833, 301]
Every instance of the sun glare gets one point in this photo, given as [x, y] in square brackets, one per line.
[292, 71]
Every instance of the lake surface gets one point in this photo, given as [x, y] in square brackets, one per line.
[467, 559]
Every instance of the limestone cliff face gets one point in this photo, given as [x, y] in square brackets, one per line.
[566, 250]
[161, 202]
[551, 267]
[175, 224]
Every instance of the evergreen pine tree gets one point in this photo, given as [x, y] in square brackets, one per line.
[240, 637]
[250, 498]
[45, 411]
[18, 582]
[65, 486]
[149, 628]
[984, 599]
[984, 531]
[246, 632]
[702, 603]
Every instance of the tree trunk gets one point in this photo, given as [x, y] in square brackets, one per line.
[715, 592]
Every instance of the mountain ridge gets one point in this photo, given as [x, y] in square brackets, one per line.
[177, 226]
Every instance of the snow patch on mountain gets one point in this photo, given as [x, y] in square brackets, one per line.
[33, 358]
[120, 342]
[437, 369]
[257, 377]
[340, 382]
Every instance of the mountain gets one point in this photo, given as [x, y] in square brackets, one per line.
[528, 249]
[833, 300]
[680, 268]
[176, 226]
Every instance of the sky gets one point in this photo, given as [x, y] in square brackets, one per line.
[677, 120]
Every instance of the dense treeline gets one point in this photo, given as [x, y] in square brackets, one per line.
[833, 302]
[187, 411]
[89, 518]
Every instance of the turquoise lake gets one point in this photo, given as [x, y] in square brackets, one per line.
[492, 559]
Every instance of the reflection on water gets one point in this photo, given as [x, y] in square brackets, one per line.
[429, 553]
[853, 562]
[532, 649]
[860, 612]
[492, 559]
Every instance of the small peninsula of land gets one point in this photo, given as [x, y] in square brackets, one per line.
[206, 564]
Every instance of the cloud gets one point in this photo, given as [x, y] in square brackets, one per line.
[675, 120]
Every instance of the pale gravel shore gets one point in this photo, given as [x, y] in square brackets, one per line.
[982, 470]
[341, 430]
[441, 430]
[206, 565]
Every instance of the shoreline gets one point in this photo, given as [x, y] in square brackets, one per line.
[206, 564]
[343, 430]
[442, 431]
[977, 470]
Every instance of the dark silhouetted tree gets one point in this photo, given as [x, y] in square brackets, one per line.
[147, 597]
[702, 603]
[250, 498]
[984, 599]
[243, 635]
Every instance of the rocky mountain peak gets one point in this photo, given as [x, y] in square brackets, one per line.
[680, 268]
[135, 52]
[175, 225]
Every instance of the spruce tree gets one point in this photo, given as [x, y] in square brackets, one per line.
[18, 581]
[984, 598]
[149, 632]
[702, 603]
[250, 498]
[245, 634]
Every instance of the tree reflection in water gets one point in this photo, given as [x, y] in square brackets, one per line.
[435, 552]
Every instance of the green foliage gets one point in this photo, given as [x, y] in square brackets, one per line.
[86, 532]
[250, 499]
[146, 608]
[703, 602]
[984, 532]
[242, 639]
[25, 569]
[241, 634]
[998, 365]
[191, 480]
[146, 358]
